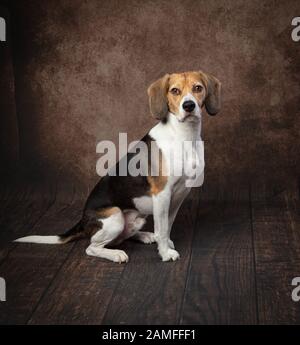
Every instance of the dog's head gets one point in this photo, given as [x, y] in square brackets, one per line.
[184, 94]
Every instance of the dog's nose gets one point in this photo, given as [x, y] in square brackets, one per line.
[188, 106]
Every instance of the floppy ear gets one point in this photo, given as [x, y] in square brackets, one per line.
[213, 99]
[157, 93]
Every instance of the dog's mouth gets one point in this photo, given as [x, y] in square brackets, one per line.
[189, 117]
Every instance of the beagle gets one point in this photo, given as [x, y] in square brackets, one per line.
[118, 206]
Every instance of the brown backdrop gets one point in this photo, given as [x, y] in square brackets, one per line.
[81, 70]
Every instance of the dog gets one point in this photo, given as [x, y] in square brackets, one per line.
[118, 206]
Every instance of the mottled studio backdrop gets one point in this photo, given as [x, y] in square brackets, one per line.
[75, 72]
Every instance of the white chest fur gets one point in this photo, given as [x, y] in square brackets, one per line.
[183, 150]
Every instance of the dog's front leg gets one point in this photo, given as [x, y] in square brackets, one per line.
[161, 205]
[176, 202]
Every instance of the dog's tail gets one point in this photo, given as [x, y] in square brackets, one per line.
[75, 232]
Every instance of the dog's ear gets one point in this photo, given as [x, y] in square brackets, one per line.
[157, 93]
[213, 98]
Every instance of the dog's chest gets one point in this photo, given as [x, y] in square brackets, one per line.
[184, 159]
[144, 204]
[183, 151]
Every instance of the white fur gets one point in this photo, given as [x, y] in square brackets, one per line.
[145, 237]
[111, 228]
[167, 203]
[144, 204]
[40, 239]
[133, 223]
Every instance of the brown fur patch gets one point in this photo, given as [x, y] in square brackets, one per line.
[159, 179]
[185, 83]
[162, 99]
[107, 212]
[157, 183]
[157, 97]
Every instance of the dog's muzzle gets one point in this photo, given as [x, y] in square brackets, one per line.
[188, 106]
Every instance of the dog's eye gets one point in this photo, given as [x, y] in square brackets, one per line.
[198, 88]
[175, 91]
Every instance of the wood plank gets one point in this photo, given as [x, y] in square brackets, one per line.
[151, 291]
[7, 195]
[88, 277]
[276, 224]
[30, 268]
[275, 304]
[221, 283]
[81, 290]
[276, 219]
[20, 211]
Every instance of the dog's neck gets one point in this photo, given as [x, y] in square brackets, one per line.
[187, 130]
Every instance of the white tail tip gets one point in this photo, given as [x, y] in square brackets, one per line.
[40, 239]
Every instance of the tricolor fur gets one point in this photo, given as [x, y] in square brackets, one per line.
[118, 205]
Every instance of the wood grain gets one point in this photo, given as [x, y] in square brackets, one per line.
[21, 209]
[239, 246]
[29, 268]
[276, 228]
[151, 291]
[81, 290]
[221, 282]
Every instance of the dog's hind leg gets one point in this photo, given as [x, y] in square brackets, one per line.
[111, 224]
[133, 223]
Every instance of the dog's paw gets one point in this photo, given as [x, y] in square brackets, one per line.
[170, 254]
[145, 237]
[114, 255]
[119, 256]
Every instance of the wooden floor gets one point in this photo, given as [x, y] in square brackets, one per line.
[239, 251]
